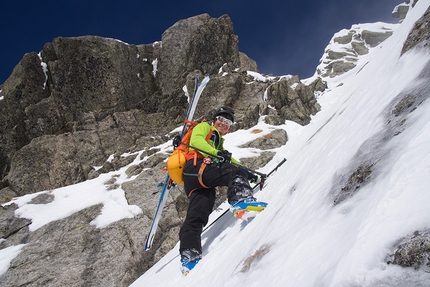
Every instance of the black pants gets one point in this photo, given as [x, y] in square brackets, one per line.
[201, 200]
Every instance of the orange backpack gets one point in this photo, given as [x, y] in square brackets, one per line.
[176, 162]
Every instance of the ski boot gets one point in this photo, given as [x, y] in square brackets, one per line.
[189, 259]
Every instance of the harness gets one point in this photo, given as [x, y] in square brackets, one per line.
[194, 155]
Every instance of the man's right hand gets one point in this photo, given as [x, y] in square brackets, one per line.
[225, 154]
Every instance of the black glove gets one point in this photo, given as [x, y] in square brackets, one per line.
[251, 177]
[225, 154]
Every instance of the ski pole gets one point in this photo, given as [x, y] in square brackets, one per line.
[263, 179]
[221, 158]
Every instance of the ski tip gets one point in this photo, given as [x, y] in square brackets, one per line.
[185, 270]
[148, 245]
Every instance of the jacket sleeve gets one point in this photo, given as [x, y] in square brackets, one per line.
[235, 161]
[198, 139]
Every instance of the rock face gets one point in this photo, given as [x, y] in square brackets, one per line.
[401, 10]
[420, 35]
[199, 43]
[295, 101]
[83, 99]
[78, 109]
[347, 46]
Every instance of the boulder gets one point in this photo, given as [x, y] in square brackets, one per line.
[413, 251]
[293, 104]
[198, 43]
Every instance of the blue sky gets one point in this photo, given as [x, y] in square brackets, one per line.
[282, 36]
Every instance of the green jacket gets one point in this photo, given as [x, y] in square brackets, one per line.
[198, 140]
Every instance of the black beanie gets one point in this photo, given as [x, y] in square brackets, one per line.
[225, 112]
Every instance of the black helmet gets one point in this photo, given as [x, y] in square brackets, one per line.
[226, 112]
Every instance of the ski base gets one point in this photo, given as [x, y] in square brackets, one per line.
[247, 208]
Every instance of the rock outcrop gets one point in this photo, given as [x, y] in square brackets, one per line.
[420, 35]
[85, 97]
[81, 100]
[347, 46]
[198, 43]
[401, 10]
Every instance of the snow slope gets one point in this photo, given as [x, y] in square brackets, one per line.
[303, 238]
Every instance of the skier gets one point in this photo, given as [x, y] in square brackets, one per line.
[202, 173]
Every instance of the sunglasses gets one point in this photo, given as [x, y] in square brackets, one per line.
[224, 120]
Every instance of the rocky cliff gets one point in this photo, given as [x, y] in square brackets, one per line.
[81, 100]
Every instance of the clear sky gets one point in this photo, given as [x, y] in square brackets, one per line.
[282, 36]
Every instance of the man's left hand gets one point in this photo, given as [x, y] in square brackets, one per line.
[251, 177]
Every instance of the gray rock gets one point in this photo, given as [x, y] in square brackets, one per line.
[13, 230]
[275, 139]
[293, 104]
[337, 68]
[413, 251]
[197, 43]
[47, 162]
[259, 161]
[360, 48]
[336, 55]
[246, 63]
[401, 10]
[344, 39]
[373, 39]
[72, 252]
[419, 36]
